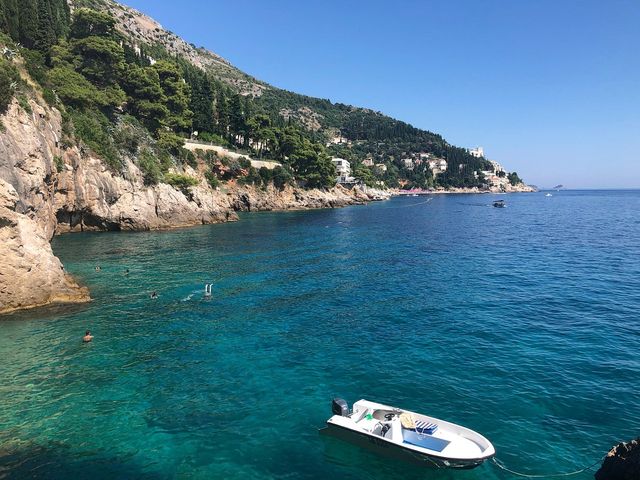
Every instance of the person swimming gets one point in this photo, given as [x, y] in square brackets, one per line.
[98, 268]
[87, 337]
[154, 295]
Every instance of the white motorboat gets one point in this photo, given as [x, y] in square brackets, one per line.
[548, 195]
[409, 435]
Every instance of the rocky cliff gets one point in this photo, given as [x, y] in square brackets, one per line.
[30, 274]
[47, 189]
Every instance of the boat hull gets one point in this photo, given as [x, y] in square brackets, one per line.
[397, 451]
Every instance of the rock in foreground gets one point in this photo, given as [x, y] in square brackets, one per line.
[621, 463]
[30, 274]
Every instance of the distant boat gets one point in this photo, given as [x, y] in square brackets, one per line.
[499, 204]
[548, 195]
[407, 435]
[414, 195]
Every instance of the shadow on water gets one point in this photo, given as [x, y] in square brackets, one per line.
[46, 312]
[57, 460]
[353, 461]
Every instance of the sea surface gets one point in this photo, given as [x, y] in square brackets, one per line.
[521, 323]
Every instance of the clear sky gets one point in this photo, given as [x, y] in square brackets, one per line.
[550, 88]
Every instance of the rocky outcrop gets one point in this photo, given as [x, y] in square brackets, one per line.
[252, 199]
[30, 274]
[621, 463]
[89, 197]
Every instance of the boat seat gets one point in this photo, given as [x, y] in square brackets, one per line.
[426, 427]
[424, 441]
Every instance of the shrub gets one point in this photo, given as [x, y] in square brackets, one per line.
[23, 101]
[34, 63]
[92, 128]
[213, 138]
[75, 90]
[49, 97]
[252, 177]
[281, 177]
[150, 167]
[8, 79]
[212, 179]
[266, 175]
[59, 163]
[244, 163]
[183, 182]
[170, 141]
[127, 134]
[187, 156]
[234, 168]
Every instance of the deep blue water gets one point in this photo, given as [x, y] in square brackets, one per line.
[521, 323]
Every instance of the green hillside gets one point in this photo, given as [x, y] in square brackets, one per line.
[130, 89]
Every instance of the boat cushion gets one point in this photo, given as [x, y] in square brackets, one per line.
[406, 419]
[425, 441]
[423, 426]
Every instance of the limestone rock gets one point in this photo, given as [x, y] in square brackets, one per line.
[30, 274]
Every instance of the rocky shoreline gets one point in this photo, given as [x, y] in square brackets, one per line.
[46, 189]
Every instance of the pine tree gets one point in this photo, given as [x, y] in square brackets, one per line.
[222, 114]
[28, 22]
[45, 35]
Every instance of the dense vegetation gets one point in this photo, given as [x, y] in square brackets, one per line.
[119, 103]
[384, 140]
[139, 102]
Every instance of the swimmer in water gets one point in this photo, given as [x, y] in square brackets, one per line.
[154, 295]
[87, 337]
[98, 268]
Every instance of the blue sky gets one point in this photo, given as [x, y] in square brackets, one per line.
[548, 88]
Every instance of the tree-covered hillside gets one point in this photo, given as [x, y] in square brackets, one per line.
[124, 101]
[129, 89]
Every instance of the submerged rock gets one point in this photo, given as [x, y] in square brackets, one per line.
[621, 463]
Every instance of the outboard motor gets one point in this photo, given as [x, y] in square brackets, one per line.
[339, 406]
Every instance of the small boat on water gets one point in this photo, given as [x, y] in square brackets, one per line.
[408, 435]
[548, 195]
[499, 204]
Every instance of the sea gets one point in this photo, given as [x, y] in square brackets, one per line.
[521, 323]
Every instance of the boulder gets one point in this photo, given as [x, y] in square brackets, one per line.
[621, 463]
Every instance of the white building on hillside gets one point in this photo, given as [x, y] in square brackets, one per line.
[342, 166]
[343, 169]
[477, 152]
[438, 165]
[497, 167]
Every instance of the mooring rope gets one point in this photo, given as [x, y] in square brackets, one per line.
[499, 464]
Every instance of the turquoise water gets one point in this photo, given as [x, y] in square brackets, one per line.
[521, 323]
